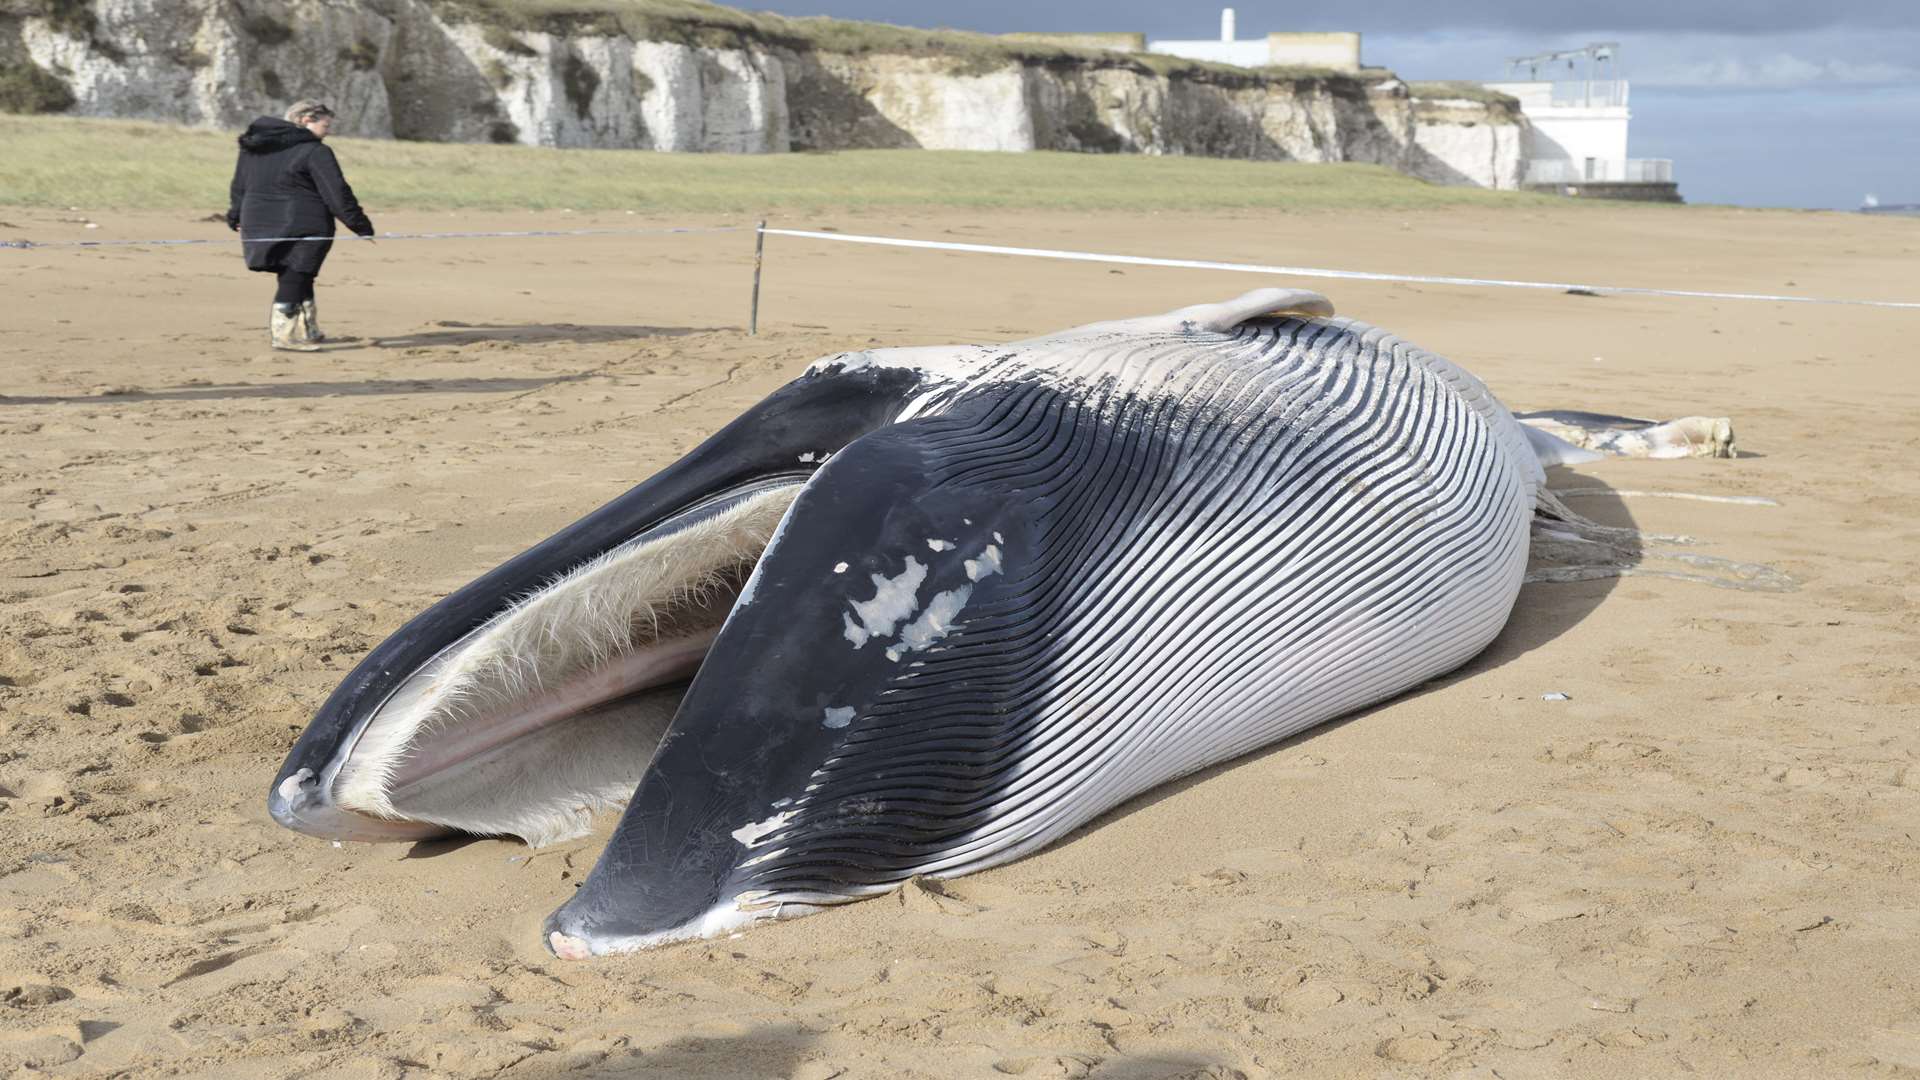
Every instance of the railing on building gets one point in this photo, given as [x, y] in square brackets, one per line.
[1600, 170]
[1585, 94]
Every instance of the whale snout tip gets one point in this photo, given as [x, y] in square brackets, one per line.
[291, 798]
[301, 802]
[568, 947]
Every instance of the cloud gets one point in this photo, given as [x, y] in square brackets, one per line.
[1779, 71]
[1717, 17]
[1835, 56]
[1402, 17]
[1755, 43]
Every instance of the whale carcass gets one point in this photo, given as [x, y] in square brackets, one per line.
[925, 610]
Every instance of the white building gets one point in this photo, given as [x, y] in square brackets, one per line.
[1578, 126]
[1336, 51]
[1579, 133]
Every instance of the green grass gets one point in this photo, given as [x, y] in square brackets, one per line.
[695, 22]
[25, 88]
[118, 164]
[1498, 105]
[1463, 91]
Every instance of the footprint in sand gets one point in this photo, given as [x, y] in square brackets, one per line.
[1420, 1049]
[40, 1048]
[211, 668]
[27, 993]
[1219, 878]
[932, 897]
[48, 794]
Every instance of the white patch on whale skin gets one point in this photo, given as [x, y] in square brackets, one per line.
[935, 622]
[845, 363]
[758, 859]
[938, 370]
[987, 565]
[933, 362]
[290, 787]
[838, 718]
[743, 910]
[807, 458]
[568, 947]
[750, 834]
[894, 600]
[839, 568]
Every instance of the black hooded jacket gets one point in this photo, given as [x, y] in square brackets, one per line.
[287, 183]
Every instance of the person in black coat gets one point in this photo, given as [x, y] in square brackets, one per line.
[288, 184]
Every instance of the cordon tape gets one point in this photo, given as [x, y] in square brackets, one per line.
[1023, 252]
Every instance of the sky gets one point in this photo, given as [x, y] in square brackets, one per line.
[1801, 103]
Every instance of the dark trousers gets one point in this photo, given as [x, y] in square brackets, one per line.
[295, 287]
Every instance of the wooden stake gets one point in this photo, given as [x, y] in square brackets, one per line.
[759, 243]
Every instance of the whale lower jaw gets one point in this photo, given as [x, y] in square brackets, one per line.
[720, 921]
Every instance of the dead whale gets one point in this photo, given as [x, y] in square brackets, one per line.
[925, 610]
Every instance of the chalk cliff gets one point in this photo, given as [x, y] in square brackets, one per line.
[1465, 134]
[438, 70]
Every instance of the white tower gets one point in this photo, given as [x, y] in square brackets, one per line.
[1226, 24]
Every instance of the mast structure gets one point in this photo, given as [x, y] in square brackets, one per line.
[1599, 55]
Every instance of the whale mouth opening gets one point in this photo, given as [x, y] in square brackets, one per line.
[551, 710]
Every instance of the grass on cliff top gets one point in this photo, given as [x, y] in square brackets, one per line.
[118, 164]
[1463, 91]
[695, 22]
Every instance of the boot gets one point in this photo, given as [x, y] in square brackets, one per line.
[311, 311]
[287, 329]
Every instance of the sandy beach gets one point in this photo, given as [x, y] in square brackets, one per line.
[1703, 862]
